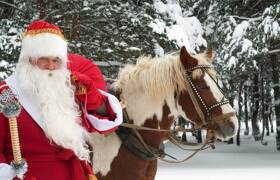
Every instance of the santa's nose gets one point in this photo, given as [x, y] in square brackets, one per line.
[51, 66]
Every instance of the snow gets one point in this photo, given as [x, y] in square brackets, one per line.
[176, 32]
[277, 102]
[266, 24]
[160, 6]
[159, 51]
[232, 61]
[269, 24]
[157, 26]
[246, 45]
[79, 45]
[13, 30]
[109, 50]
[107, 63]
[251, 160]
[3, 63]
[185, 31]
[240, 30]
[275, 28]
[133, 49]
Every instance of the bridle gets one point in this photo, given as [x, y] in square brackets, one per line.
[205, 112]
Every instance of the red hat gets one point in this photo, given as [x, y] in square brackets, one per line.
[43, 39]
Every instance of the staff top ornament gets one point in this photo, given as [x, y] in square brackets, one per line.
[9, 104]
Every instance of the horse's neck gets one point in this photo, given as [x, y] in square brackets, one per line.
[143, 110]
[141, 107]
[155, 138]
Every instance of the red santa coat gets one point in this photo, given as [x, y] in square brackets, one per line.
[45, 160]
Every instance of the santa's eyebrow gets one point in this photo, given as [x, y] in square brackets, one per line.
[57, 58]
[44, 58]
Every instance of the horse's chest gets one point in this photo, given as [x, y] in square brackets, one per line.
[105, 149]
[127, 166]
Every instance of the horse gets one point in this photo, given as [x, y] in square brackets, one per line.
[155, 91]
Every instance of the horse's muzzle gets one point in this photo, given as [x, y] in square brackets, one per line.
[226, 128]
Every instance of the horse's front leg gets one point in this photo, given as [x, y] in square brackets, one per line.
[151, 170]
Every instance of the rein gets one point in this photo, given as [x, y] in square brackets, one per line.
[159, 153]
[161, 156]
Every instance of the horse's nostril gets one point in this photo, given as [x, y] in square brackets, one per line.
[225, 129]
[219, 130]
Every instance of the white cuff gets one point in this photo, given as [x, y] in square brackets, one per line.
[6, 172]
[105, 124]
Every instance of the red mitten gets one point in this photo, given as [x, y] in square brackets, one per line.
[86, 92]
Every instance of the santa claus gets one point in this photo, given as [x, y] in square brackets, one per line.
[63, 99]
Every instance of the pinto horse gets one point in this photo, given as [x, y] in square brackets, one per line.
[155, 91]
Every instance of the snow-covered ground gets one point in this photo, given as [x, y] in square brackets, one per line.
[249, 161]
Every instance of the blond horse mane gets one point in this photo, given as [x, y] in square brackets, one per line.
[156, 77]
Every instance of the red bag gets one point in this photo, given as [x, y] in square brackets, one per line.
[86, 92]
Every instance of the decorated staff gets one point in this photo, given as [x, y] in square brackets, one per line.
[11, 108]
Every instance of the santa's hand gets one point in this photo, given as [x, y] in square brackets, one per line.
[86, 92]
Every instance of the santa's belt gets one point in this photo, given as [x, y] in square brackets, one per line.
[78, 167]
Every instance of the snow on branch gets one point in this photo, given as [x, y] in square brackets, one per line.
[246, 18]
[274, 51]
[11, 5]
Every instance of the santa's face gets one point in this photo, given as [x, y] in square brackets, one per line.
[48, 63]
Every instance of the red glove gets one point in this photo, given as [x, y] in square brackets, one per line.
[86, 92]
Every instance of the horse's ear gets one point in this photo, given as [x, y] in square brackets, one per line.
[210, 53]
[186, 59]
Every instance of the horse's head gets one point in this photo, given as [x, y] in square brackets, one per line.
[203, 101]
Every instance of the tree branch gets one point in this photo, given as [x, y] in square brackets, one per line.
[256, 4]
[51, 13]
[246, 18]
[274, 51]
[11, 5]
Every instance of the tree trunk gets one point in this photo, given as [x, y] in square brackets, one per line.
[231, 99]
[246, 132]
[184, 137]
[199, 136]
[270, 117]
[255, 126]
[263, 109]
[275, 76]
[42, 7]
[267, 110]
[239, 112]
[75, 27]
[182, 123]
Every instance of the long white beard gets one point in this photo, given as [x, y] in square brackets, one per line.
[53, 92]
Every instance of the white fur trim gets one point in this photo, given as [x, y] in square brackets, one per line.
[25, 100]
[44, 44]
[6, 172]
[105, 124]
